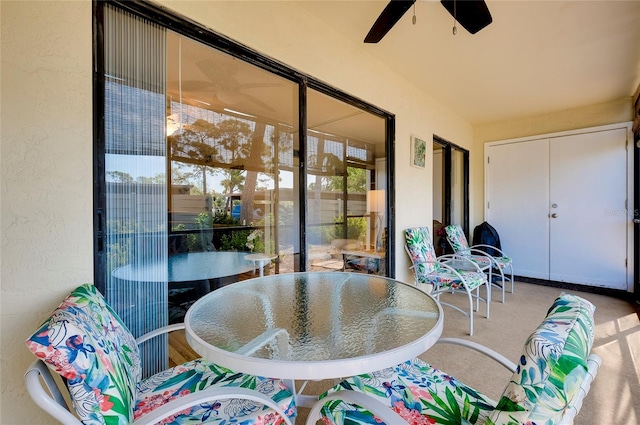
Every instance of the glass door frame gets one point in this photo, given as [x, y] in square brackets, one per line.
[448, 149]
[210, 38]
[636, 215]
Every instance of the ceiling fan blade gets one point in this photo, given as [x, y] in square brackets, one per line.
[387, 19]
[193, 85]
[215, 70]
[258, 85]
[473, 15]
[257, 101]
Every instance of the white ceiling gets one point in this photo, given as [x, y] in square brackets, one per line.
[536, 57]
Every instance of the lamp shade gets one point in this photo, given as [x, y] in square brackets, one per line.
[376, 201]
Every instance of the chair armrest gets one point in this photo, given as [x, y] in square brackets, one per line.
[481, 349]
[469, 265]
[379, 409]
[382, 411]
[159, 331]
[574, 406]
[479, 253]
[53, 402]
[444, 265]
[443, 259]
[488, 246]
[207, 395]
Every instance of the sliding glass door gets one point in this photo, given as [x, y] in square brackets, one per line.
[345, 227]
[214, 164]
[132, 201]
[450, 190]
[232, 132]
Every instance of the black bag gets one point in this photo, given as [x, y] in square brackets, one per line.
[485, 234]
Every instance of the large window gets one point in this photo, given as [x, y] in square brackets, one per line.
[345, 228]
[232, 133]
[215, 164]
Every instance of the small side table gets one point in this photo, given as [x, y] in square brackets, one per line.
[259, 260]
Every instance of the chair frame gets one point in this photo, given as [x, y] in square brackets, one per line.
[49, 397]
[437, 289]
[475, 251]
[497, 266]
[390, 417]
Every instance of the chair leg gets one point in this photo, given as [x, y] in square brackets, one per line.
[511, 269]
[488, 297]
[471, 312]
[477, 299]
[504, 282]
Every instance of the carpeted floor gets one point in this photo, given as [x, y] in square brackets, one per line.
[614, 397]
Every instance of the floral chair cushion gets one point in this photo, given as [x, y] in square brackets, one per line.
[552, 365]
[428, 270]
[416, 391]
[198, 375]
[85, 342]
[457, 239]
[445, 278]
[420, 248]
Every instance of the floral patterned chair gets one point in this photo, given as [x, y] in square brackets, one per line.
[460, 246]
[87, 344]
[549, 382]
[447, 273]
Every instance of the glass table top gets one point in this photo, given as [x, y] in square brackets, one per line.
[313, 325]
[187, 267]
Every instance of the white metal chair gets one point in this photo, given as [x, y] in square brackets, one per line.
[488, 263]
[87, 344]
[547, 386]
[447, 273]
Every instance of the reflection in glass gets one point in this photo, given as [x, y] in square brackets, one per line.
[343, 144]
[457, 187]
[231, 134]
[438, 183]
[450, 190]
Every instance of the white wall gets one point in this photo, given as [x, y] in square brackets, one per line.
[46, 177]
[46, 142]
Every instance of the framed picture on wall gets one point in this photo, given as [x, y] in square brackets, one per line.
[418, 152]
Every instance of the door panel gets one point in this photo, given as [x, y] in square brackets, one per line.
[588, 236]
[457, 187]
[517, 195]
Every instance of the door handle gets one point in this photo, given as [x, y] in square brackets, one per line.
[554, 215]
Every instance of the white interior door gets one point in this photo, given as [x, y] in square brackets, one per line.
[517, 194]
[587, 209]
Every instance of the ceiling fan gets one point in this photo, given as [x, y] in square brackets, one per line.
[473, 15]
[223, 85]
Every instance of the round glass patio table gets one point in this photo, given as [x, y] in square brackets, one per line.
[313, 326]
[186, 267]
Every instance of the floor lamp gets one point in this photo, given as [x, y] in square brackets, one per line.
[376, 201]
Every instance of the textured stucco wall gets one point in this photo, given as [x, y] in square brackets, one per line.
[46, 177]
